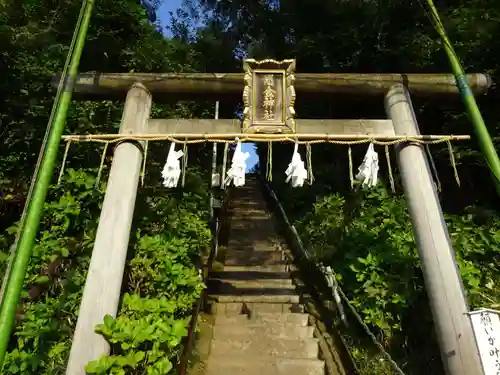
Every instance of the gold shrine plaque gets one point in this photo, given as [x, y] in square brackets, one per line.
[269, 96]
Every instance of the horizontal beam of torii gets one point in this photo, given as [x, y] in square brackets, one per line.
[214, 86]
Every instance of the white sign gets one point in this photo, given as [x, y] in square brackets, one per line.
[486, 325]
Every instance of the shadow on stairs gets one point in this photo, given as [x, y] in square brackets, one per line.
[259, 326]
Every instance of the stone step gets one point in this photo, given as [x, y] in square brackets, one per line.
[263, 225]
[255, 203]
[248, 214]
[260, 346]
[249, 210]
[248, 195]
[225, 292]
[260, 269]
[263, 365]
[248, 202]
[249, 308]
[248, 217]
[261, 232]
[249, 187]
[255, 235]
[238, 216]
[296, 319]
[262, 330]
[256, 296]
[261, 257]
[249, 275]
[247, 246]
[251, 283]
[248, 199]
[254, 261]
[254, 258]
[250, 246]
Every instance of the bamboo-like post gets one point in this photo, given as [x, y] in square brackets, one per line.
[101, 294]
[480, 128]
[442, 279]
[11, 290]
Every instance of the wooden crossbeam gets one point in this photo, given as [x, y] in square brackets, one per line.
[213, 86]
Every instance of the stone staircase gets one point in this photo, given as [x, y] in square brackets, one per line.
[259, 327]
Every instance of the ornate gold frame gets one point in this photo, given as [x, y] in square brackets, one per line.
[287, 122]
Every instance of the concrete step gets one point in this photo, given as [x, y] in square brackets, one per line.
[295, 319]
[262, 365]
[251, 284]
[250, 233]
[246, 192]
[260, 346]
[249, 275]
[251, 257]
[262, 330]
[255, 296]
[261, 219]
[246, 219]
[247, 195]
[249, 199]
[256, 225]
[224, 292]
[252, 246]
[249, 208]
[251, 308]
[246, 214]
[254, 261]
[279, 269]
[240, 213]
[243, 207]
[248, 245]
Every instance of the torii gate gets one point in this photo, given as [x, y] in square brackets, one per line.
[273, 83]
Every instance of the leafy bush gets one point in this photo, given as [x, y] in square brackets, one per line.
[56, 274]
[163, 285]
[369, 241]
[162, 279]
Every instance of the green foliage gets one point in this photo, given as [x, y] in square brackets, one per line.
[143, 335]
[34, 38]
[367, 238]
[163, 284]
[381, 262]
[56, 275]
[163, 281]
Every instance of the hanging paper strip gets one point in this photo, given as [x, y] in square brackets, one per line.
[172, 169]
[296, 171]
[368, 170]
[236, 173]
